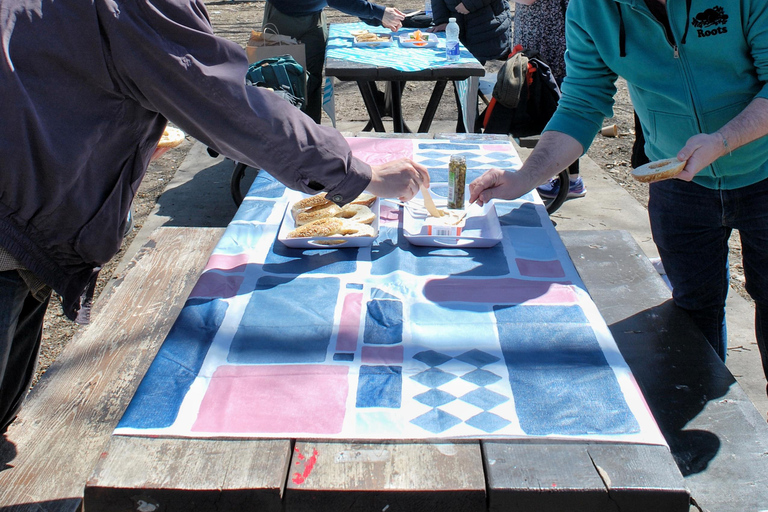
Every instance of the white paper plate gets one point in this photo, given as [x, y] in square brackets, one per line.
[481, 228]
[407, 42]
[325, 242]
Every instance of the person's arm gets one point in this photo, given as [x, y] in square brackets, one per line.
[703, 149]
[167, 59]
[440, 14]
[554, 152]
[390, 17]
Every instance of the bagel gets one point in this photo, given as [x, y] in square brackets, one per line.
[357, 213]
[350, 228]
[171, 137]
[318, 228]
[322, 211]
[364, 199]
[658, 170]
[309, 202]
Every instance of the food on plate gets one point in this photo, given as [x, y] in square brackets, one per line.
[316, 228]
[356, 33]
[357, 213]
[317, 216]
[365, 199]
[418, 36]
[322, 211]
[370, 37]
[333, 226]
[171, 137]
[658, 170]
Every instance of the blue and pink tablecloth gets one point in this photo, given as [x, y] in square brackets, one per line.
[391, 341]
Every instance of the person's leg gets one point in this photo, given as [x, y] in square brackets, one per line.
[21, 327]
[313, 32]
[747, 208]
[687, 227]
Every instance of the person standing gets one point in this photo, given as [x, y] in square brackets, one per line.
[540, 26]
[697, 80]
[304, 20]
[86, 91]
[485, 26]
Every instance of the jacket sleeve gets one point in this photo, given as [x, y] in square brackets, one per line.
[588, 88]
[440, 12]
[167, 58]
[359, 8]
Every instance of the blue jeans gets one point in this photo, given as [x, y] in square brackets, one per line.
[691, 226]
[21, 329]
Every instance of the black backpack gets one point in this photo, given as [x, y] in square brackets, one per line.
[525, 96]
[283, 75]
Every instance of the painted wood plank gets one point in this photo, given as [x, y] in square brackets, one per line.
[386, 476]
[66, 421]
[188, 474]
[717, 437]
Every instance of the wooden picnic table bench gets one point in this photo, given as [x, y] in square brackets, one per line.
[60, 454]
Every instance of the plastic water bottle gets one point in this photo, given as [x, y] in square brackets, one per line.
[452, 40]
[428, 7]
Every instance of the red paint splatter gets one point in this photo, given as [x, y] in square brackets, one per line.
[300, 478]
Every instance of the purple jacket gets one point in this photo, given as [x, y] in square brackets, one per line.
[85, 91]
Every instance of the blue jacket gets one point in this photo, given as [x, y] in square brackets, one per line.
[359, 8]
[714, 67]
[486, 31]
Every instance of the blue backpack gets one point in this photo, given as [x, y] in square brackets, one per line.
[283, 75]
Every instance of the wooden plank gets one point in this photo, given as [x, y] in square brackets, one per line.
[386, 476]
[588, 477]
[716, 435]
[189, 474]
[69, 416]
[542, 477]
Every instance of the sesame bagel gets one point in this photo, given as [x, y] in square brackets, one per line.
[322, 211]
[318, 228]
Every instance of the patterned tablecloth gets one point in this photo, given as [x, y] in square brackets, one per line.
[391, 341]
[341, 46]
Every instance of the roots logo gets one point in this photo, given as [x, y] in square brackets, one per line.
[707, 22]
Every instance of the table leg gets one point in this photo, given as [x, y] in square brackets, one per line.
[395, 97]
[434, 101]
[370, 105]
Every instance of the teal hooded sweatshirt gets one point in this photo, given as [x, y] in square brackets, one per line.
[715, 65]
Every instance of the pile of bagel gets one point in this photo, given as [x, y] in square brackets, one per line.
[317, 216]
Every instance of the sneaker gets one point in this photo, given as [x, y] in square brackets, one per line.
[550, 190]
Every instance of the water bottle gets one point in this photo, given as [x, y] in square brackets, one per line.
[428, 8]
[452, 40]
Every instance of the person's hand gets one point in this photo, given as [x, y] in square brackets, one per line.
[398, 178]
[437, 28]
[392, 19]
[700, 151]
[461, 9]
[498, 184]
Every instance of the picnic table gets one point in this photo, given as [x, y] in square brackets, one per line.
[65, 429]
[396, 65]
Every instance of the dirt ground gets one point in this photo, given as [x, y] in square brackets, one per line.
[233, 19]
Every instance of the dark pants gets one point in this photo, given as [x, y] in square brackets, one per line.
[21, 329]
[691, 226]
[311, 30]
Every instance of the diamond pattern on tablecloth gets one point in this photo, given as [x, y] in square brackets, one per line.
[431, 358]
[488, 422]
[458, 391]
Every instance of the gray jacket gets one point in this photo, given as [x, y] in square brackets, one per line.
[85, 91]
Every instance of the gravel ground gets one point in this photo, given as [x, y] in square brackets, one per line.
[234, 20]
